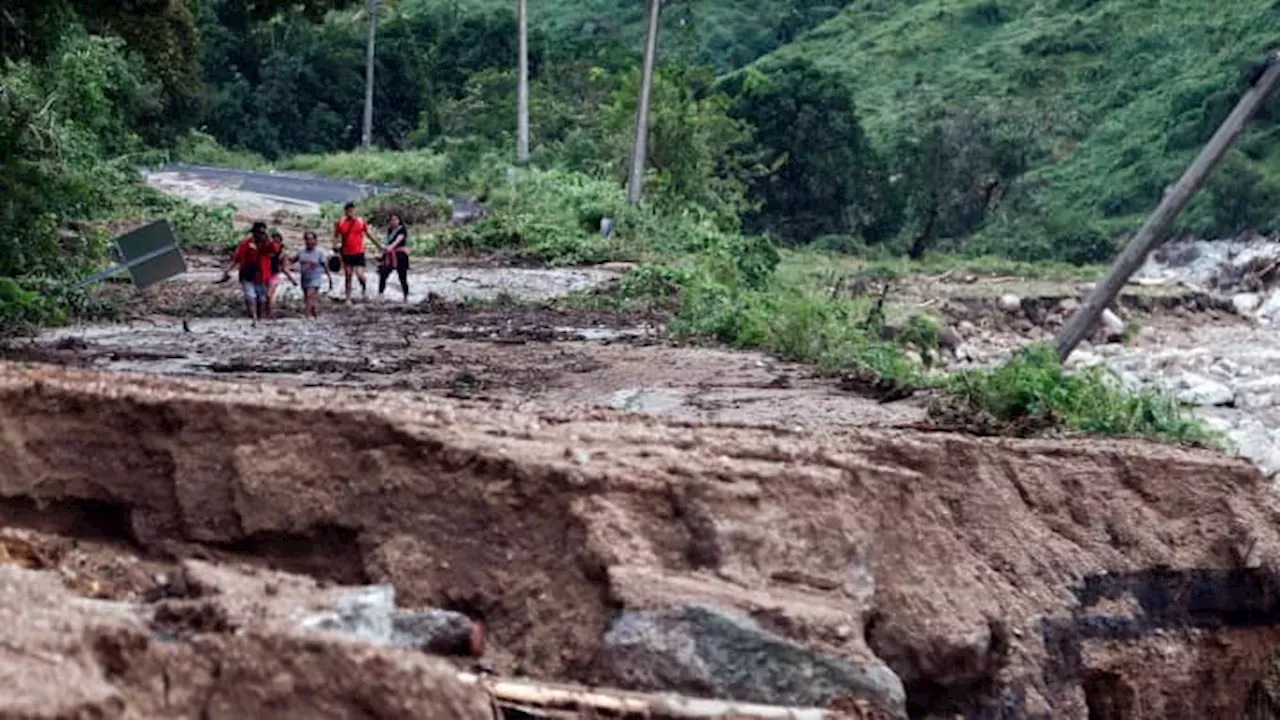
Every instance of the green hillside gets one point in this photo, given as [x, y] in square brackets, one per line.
[1124, 92]
[725, 35]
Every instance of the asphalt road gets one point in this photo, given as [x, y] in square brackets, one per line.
[303, 187]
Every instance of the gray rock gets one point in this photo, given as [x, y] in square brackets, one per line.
[1252, 441]
[1225, 367]
[949, 338]
[441, 632]
[1255, 402]
[1112, 325]
[1245, 303]
[1271, 308]
[365, 614]
[702, 650]
[1080, 359]
[1199, 390]
[967, 329]
[369, 614]
[1067, 306]
[1261, 385]
[1219, 424]
[1010, 303]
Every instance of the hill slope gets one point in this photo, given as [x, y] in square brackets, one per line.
[1126, 90]
[723, 34]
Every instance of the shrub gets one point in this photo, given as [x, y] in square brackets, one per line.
[1032, 392]
[23, 310]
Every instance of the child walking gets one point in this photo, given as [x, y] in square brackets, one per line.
[313, 263]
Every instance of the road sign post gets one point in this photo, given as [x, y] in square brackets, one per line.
[151, 255]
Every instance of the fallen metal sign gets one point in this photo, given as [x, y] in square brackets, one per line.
[151, 255]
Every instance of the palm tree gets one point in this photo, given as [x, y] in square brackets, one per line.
[635, 187]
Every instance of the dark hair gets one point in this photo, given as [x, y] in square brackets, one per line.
[275, 235]
[259, 227]
[308, 235]
[348, 206]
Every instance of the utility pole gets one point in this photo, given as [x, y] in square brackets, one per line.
[1135, 253]
[522, 88]
[366, 138]
[635, 186]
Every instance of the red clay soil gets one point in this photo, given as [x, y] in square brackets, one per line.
[998, 578]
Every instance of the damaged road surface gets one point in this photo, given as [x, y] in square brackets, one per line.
[865, 573]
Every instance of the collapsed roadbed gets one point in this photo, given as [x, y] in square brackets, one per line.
[921, 573]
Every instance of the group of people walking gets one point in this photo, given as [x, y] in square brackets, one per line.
[261, 259]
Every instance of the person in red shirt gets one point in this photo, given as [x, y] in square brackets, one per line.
[350, 233]
[270, 266]
[246, 257]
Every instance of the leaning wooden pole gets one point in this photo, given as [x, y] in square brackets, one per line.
[1135, 253]
[635, 185]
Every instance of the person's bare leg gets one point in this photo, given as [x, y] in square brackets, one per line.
[364, 286]
[348, 271]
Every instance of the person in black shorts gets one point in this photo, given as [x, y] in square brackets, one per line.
[395, 257]
[350, 233]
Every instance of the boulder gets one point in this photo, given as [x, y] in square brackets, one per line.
[1271, 308]
[1079, 359]
[370, 614]
[1252, 441]
[1112, 325]
[365, 613]
[1067, 306]
[439, 632]
[1194, 389]
[1245, 303]
[702, 650]
[1010, 303]
[949, 338]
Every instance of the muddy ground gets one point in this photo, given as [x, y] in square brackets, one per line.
[186, 492]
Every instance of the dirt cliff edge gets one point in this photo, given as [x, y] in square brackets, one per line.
[994, 578]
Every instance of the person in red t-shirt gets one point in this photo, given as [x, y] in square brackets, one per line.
[350, 233]
[247, 258]
[270, 266]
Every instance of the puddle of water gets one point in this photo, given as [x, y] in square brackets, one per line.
[647, 400]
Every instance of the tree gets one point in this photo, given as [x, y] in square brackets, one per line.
[697, 155]
[826, 178]
[955, 165]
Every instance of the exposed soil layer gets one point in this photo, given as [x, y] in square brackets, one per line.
[65, 656]
[996, 578]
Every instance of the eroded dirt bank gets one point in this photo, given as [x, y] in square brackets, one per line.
[986, 578]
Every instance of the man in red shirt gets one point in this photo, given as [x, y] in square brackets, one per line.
[350, 233]
[248, 259]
